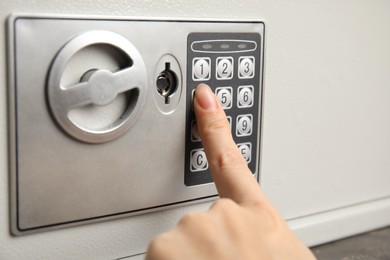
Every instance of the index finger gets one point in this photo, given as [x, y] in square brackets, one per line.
[229, 169]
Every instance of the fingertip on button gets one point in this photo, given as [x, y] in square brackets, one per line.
[205, 97]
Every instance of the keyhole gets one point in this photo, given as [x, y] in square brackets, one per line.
[166, 83]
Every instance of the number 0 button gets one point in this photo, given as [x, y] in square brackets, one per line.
[246, 68]
[198, 160]
[224, 68]
[225, 96]
[244, 125]
[245, 96]
[201, 69]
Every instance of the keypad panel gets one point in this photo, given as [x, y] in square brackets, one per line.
[230, 63]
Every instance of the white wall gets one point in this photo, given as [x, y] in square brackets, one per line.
[326, 138]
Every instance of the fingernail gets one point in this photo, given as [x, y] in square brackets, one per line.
[205, 97]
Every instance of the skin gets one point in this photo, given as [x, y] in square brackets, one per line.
[242, 224]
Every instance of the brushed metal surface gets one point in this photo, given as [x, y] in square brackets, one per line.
[60, 181]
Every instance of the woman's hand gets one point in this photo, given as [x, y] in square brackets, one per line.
[242, 224]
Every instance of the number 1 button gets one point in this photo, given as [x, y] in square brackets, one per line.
[201, 69]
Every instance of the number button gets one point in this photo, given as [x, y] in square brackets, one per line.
[244, 125]
[201, 69]
[246, 151]
[245, 96]
[192, 100]
[195, 137]
[229, 118]
[246, 68]
[198, 160]
[224, 68]
[225, 96]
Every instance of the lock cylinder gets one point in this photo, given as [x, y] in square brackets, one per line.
[166, 83]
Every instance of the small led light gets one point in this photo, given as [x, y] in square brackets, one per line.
[207, 46]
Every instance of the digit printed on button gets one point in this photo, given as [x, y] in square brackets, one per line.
[244, 125]
[198, 160]
[246, 67]
[225, 96]
[245, 96]
[246, 151]
[224, 69]
[201, 69]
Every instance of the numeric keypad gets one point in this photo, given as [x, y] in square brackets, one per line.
[228, 63]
